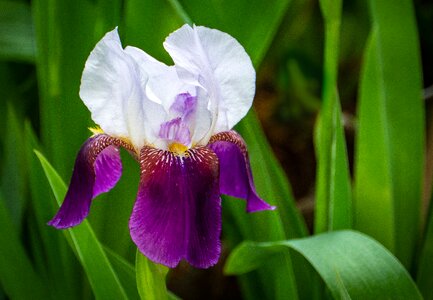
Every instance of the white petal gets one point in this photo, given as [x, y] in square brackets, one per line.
[112, 89]
[164, 84]
[216, 61]
[202, 119]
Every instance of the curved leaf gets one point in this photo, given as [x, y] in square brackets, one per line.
[350, 263]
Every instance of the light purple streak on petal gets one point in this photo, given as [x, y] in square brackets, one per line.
[185, 105]
[108, 169]
[236, 178]
[97, 169]
[175, 130]
[177, 214]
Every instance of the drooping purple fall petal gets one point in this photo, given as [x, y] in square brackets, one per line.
[177, 214]
[97, 169]
[108, 169]
[236, 178]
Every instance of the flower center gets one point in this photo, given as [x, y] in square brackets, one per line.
[178, 148]
[176, 132]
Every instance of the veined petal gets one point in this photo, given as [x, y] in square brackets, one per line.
[177, 214]
[163, 84]
[112, 87]
[236, 178]
[217, 62]
[97, 169]
[164, 87]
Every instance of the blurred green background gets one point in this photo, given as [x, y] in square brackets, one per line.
[340, 137]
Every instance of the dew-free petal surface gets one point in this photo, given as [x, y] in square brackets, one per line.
[236, 178]
[177, 214]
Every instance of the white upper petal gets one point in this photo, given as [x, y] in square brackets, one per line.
[129, 93]
[112, 87]
[163, 84]
[217, 62]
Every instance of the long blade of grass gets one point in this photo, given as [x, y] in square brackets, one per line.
[150, 14]
[17, 275]
[254, 35]
[17, 41]
[60, 264]
[424, 276]
[65, 32]
[103, 279]
[390, 140]
[275, 186]
[350, 263]
[125, 271]
[150, 279]
[13, 177]
[127, 275]
[333, 189]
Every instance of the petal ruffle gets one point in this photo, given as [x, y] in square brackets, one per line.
[158, 91]
[217, 62]
[159, 74]
[177, 214]
[236, 178]
[97, 169]
[112, 87]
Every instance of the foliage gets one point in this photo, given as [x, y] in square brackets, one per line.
[368, 241]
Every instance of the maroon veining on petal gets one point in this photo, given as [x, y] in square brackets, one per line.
[177, 214]
[97, 169]
[236, 178]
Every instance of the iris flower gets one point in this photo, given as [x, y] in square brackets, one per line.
[176, 122]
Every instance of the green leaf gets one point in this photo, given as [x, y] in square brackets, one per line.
[17, 41]
[255, 36]
[13, 176]
[17, 275]
[390, 139]
[350, 263]
[274, 186]
[103, 279]
[150, 279]
[127, 275]
[424, 277]
[60, 263]
[125, 271]
[333, 196]
[150, 14]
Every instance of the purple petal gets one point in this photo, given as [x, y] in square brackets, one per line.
[236, 178]
[108, 169]
[177, 214]
[176, 131]
[97, 169]
[185, 105]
